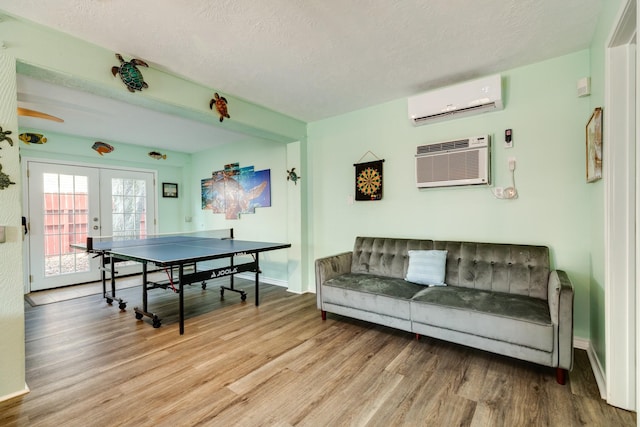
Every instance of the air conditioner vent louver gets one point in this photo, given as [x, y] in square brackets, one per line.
[458, 112]
[454, 163]
[443, 146]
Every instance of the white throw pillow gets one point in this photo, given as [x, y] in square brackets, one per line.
[427, 267]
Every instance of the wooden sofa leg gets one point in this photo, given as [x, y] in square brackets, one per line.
[561, 376]
[324, 314]
[417, 336]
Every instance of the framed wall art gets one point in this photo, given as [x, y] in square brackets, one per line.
[169, 190]
[236, 190]
[594, 146]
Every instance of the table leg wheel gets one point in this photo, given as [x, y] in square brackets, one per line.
[156, 322]
[204, 285]
[243, 296]
[221, 293]
[139, 316]
[122, 306]
[109, 300]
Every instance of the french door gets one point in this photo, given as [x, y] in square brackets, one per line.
[67, 203]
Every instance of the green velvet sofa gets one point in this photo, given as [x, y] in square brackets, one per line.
[502, 298]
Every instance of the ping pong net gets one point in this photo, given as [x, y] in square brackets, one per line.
[105, 243]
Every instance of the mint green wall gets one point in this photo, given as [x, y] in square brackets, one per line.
[12, 328]
[268, 224]
[548, 121]
[596, 190]
[67, 148]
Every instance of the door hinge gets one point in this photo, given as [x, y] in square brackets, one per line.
[27, 172]
[30, 278]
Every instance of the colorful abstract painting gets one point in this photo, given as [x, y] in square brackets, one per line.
[235, 190]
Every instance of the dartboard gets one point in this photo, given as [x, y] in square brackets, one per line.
[369, 181]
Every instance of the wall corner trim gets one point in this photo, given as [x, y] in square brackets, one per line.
[596, 366]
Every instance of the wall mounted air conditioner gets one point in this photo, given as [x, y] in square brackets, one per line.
[465, 99]
[464, 161]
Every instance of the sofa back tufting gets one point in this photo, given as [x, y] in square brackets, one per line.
[515, 269]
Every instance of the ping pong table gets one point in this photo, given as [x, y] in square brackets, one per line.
[180, 251]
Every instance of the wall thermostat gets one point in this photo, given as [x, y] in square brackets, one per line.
[508, 140]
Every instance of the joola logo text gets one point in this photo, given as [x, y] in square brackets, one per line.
[225, 272]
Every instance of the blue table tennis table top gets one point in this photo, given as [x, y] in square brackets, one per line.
[182, 249]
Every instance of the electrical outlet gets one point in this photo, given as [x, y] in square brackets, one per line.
[512, 163]
[509, 193]
[498, 192]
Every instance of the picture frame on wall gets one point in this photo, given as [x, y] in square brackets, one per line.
[170, 190]
[594, 146]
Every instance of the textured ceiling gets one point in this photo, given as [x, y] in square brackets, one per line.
[315, 59]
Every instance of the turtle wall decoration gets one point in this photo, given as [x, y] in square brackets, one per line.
[129, 73]
[221, 106]
[293, 176]
[5, 181]
[4, 136]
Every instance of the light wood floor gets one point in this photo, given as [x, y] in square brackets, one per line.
[89, 364]
[49, 296]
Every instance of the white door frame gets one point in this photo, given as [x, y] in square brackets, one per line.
[88, 268]
[25, 197]
[620, 159]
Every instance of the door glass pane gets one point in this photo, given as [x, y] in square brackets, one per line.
[65, 219]
[118, 206]
[129, 207]
[116, 186]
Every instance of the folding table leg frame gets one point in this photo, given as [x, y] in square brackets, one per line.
[140, 313]
[110, 296]
[243, 294]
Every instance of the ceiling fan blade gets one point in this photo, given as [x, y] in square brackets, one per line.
[38, 114]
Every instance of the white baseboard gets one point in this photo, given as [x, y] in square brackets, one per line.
[596, 366]
[24, 391]
[263, 279]
[270, 281]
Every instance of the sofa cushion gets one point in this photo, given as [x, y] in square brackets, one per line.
[427, 267]
[384, 256]
[500, 316]
[514, 269]
[377, 294]
[387, 286]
